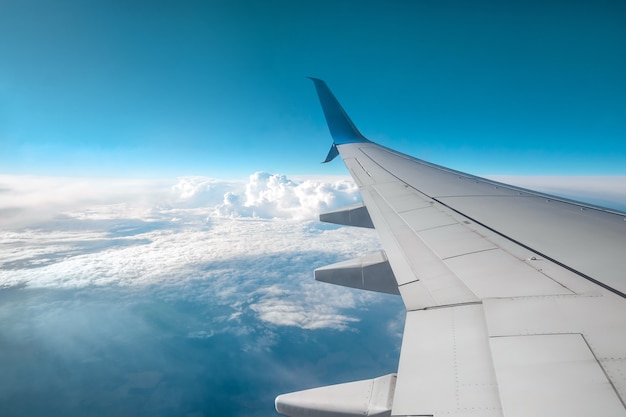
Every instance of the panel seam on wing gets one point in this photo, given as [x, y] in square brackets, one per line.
[579, 273]
[468, 303]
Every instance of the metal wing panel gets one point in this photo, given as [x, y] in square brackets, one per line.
[403, 199]
[411, 259]
[600, 319]
[553, 227]
[445, 367]
[454, 240]
[409, 237]
[586, 240]
[496, 274]
[425, 218]
[552, 375]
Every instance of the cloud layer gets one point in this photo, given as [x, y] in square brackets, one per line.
[251, 246]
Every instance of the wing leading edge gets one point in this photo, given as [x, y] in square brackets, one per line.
[515, 299]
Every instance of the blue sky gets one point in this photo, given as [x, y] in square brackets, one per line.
[218, 88]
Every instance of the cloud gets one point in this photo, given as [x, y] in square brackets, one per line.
[198, 192]
[275, 312]
[29, 199]
[308, 306]
[249, 246]
[276, 196]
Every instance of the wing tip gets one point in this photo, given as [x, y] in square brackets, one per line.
[341, 127]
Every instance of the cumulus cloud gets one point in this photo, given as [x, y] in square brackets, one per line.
[264, 195]
[199, 192]
[276, 196]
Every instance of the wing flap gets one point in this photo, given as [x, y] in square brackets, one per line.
[558, 375]
[601, 320]
[445, 366]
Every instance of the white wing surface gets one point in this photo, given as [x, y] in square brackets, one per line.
[515, 299]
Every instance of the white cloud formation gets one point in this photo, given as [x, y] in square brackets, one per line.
[250, 246]
[265, 266]
[276, 196]
[307, 308]
[25, 200]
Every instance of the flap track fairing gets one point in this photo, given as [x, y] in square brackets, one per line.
[371, 273]
[370, 397]
[354, 215]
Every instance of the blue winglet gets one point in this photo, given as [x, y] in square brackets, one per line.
[332, 154]
[341, 127]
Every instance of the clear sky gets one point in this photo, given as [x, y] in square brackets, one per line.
[218, 88]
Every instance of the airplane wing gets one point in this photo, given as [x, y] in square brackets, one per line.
[515, 300]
